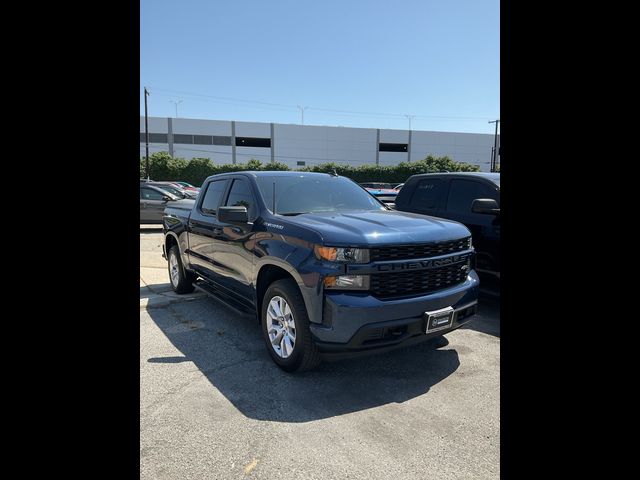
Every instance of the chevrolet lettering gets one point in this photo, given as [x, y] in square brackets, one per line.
[423, 264]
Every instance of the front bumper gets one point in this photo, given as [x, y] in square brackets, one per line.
[360, 323]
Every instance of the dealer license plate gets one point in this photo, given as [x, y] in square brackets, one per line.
[439, 319]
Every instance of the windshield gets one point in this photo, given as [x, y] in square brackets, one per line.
[174, 191]
[305, 194]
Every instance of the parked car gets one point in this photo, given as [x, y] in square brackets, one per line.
[153, 201]
[382, 191]
[377, 185]
[398, 187]
[325, 268]
[188, 186]
[176, 189]
[471, 198]
[388, 196]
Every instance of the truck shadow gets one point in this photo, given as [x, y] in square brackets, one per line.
[229, 350]
[487, 320]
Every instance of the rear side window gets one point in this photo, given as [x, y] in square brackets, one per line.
[212, 197]
[462, 193]
[240, 195]
[427, 194]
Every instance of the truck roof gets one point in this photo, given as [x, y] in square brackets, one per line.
[490, 176]
[273, 173]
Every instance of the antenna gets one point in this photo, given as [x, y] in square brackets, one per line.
[274, 198]
[334, 173]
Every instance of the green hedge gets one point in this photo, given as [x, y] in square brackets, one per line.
[163, 166]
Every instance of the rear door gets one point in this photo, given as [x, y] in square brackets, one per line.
[151, 205]
[204, 228]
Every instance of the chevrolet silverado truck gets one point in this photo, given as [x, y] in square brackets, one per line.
[327, 269]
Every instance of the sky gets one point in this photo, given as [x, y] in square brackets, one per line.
[431, 65]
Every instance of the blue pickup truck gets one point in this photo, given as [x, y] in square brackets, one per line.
[326, 268]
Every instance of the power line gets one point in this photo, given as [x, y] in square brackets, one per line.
[224, 98]
[289, 106]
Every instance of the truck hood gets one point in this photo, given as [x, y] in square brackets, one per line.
[378, 228]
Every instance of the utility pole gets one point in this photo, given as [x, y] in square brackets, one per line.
[494, 154]
[301, 113]
[146, 130]
[176, 102]
[410, 117]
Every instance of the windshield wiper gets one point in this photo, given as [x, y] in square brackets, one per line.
[291, 214]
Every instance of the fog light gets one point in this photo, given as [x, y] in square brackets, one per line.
[348, 282]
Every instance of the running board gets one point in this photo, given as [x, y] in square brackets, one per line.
[223, 298]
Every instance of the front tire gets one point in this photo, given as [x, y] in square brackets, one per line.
[181, 280]
[285, 328]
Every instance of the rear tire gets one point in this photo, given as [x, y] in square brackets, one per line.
[181, 280]
[285, 328]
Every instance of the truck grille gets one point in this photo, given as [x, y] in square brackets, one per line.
[420, 282]
[425, 250]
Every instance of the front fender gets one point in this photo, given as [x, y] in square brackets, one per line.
[309, 283]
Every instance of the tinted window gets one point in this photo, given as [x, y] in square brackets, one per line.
[150, 194]
[393, 147]
[217, 140]
[253, 142]
[181, 138]
[212, 197]
[240, 195]
[203, 139]
[427, 194]
[158, 138]
[463, 192]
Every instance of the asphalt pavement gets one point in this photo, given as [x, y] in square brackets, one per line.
[214, 405]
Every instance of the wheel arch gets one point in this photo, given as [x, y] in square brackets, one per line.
[271, 270]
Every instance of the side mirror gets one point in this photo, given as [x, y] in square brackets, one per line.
[165, 198]
[486, 206]
[233, 214]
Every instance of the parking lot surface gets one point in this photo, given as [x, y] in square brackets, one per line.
[213, 404]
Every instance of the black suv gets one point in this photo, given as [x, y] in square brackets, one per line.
[471, 198]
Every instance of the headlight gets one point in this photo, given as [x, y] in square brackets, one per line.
[345, 255]
[347, 282]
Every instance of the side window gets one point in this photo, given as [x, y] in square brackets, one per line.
[427, 193]
[462, 193]
[212, 197]
[240, 195]
[150, 194]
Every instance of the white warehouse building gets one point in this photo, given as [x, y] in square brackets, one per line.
[225, 141]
